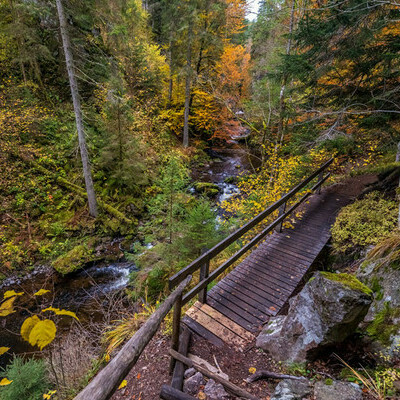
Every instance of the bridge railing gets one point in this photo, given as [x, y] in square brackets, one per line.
[202, 263]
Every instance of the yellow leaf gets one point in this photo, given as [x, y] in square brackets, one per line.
[3, 350]
[201, 396]
[107, 357]
[12, 293]
[41, 292]
[49, 394]
[61, 312]
[123, 384]
[27, 327]
[43, 333]
[252, 370]
[7, 307]
[5, 382]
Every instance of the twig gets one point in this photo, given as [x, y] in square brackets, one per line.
[264, 374]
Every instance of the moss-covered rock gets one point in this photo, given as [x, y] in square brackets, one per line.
[73, 260]
[324, 313]
[348, 280]
[207, 188]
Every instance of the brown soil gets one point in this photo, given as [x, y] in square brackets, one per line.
[151, 371]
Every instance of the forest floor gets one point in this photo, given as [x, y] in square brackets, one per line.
[146, 378]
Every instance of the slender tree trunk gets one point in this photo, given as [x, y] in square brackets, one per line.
[282, 104]
[187, 86]
[171, 79]
[78, 111]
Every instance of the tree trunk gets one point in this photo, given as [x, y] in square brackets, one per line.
[187, 86]
[78, 111]
[282, 104]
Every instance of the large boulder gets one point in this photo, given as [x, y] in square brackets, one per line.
[383, 318]
[324, 313]
[290, 389]
[336, 390]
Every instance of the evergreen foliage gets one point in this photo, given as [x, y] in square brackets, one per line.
[29, 380]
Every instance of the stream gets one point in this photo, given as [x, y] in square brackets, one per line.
[80, 291]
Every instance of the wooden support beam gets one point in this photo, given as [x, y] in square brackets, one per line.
[106, 382]
[179, 370]
[170, 393]
[231, 387]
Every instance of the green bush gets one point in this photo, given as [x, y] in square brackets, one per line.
[364, 223]
[29, 380]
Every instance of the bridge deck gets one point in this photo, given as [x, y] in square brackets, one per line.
[262, 284]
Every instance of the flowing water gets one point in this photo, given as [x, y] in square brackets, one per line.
[81, 290]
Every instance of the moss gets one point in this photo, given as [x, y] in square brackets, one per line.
[382, 327]
[365, 222]
[348, 280]
[329, 382]
[209, 189]
[72, 260]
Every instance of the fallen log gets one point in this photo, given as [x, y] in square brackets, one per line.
[77, 190]
[170, 393]
[229, 386]
[106, 382]
[263, 374]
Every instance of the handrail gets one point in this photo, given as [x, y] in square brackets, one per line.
[207, 256]
[106, 382]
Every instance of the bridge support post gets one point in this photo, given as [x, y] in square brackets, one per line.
[320, 178]
[204, 272]
[282, 210]
[176, 325]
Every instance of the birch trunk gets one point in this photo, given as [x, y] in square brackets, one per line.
[78, 111]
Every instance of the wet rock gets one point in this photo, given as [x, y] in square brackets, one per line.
[290, 389]
[207, 188]
[215, 391]
[192, 384]
[189, 372]
[324, 313]
[337, 390]
[383, 318]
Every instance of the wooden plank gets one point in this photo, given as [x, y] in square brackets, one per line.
[233, 326]
[263, 291]
[236, 309]
[275, 248]
[223, 309]
[293, 245]
[272, 289]
[247, 290]
[268, 276]
[253, 303]
[202, 331]
[215, 327]
[282, 267]
[239, 301]
[296, 246]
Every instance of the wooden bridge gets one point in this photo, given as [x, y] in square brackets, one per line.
[236, 308]
[261, 285]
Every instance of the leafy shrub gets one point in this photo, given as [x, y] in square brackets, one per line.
[364, 223]
[29, 380]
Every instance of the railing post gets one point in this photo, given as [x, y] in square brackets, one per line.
[204, 272]
[320, 177]
[176, 326]
[282, 210]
